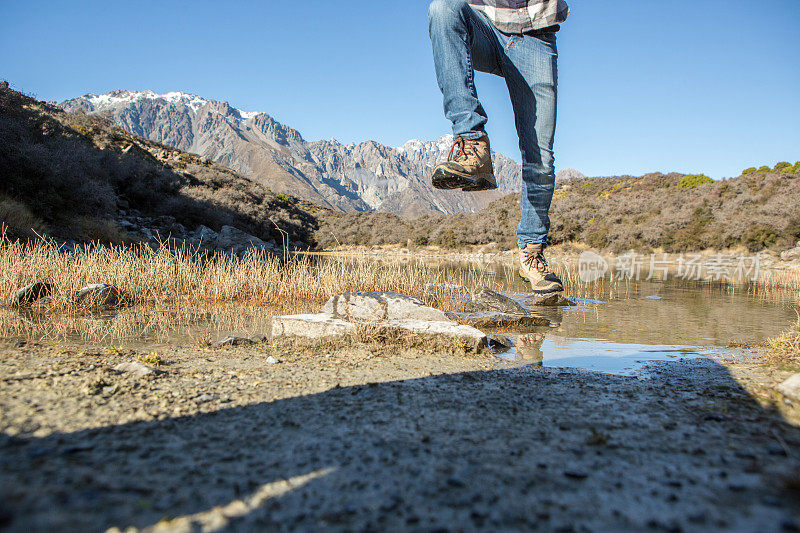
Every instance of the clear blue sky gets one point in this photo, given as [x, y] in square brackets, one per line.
[686, 85]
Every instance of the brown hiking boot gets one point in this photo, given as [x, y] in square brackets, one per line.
[468, 167]
[534, 269]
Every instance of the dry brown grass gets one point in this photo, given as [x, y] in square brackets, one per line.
[787, 346]
[788, 279]
[184, 276]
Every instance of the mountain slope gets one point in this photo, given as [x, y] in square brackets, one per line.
[355, 177]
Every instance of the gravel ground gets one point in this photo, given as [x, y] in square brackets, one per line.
[370, 439]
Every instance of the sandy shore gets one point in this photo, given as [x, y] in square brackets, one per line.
[362, 438]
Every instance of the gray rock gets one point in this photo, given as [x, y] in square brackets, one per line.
[484, 299]
[31, 293]
[791, 255]
[178, 229]
[499, 343]
[99, 295]
[376, 307]
[555, 299]
[136, 369]
[319, 326]
[791, 388]
[206, 235]
[236, 241]
[234, 341]
[273, 360]
[204, 398]
[259, 338]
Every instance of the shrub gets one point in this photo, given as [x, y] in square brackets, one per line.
[18, 220]
[751, 170]
[764, 169]
[783, 166]
[693, 181]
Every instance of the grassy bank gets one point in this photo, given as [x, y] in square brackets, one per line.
[163, 276]
[185, 276]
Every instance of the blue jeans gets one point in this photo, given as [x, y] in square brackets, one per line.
[464, 40]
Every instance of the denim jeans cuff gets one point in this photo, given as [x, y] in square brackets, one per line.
[522, 245]
[472, 135]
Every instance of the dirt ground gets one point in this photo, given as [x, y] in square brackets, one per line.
[365, 439]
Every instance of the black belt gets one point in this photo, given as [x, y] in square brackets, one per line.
[549, 29]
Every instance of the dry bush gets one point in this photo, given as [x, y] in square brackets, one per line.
[98, 230]
[18, 220]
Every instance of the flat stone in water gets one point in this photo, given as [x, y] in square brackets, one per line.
[493, 319]
[322, 326]
[474, 337]
[319, 326]
[380, 307]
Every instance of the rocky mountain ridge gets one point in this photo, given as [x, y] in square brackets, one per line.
[354, 177]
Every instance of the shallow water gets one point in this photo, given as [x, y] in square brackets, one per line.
[621, 328]
[654, 321]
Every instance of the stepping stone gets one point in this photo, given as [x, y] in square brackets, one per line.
[320, 326]
[379, 307]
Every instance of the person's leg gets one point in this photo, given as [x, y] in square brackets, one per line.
[462, 41]
[530, 69]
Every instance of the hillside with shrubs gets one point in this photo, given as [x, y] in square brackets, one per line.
[672, 212]
[76, 176]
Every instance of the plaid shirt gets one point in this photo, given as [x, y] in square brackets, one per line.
[519, 16]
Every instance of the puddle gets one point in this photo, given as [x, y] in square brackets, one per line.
[599, 355]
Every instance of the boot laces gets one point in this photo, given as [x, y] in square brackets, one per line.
[459, 149]
[536, 260]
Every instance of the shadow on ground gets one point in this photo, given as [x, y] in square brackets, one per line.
[684, 449]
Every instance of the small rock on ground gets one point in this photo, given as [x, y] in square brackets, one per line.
[791, 388]
[99, 295]
[234, 341]
[136, 369]
[31, 293]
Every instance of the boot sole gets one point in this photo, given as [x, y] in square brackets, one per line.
[448, 180]
[557, 288]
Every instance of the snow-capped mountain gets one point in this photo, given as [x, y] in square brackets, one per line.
[364, 176]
